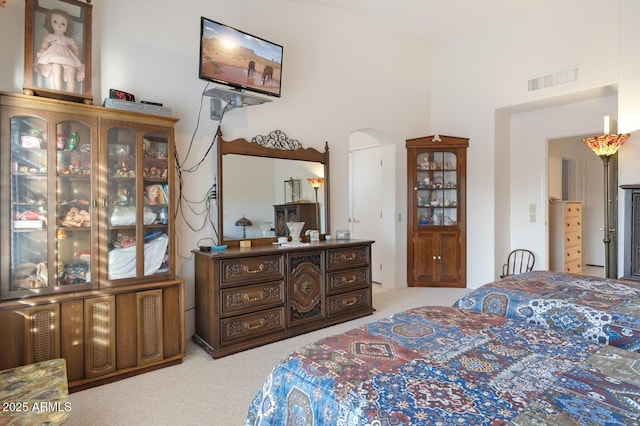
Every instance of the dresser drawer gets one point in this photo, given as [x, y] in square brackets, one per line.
[572, 210]
[572, 253]
[347, 280]
[575, 266]
[572, 224]
[573, 238]
[238, 300]
[348, 302]
[247, 326]
[347, 257]
[246, 269]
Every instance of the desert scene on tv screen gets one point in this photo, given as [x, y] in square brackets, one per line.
[240, 63]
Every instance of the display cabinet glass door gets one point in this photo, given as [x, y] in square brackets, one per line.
[76, 203]
[436, 189]
[50, 198]
[155, 179]
[138, 203]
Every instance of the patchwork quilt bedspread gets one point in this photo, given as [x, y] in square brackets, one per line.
[597, 309]
[449, 366]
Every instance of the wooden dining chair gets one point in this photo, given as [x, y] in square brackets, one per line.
[518, 261]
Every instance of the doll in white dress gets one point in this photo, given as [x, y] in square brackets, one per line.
[58, 54]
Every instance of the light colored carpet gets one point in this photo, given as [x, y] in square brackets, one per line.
[204, 391]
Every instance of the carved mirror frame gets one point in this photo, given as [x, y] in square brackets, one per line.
[276, 145]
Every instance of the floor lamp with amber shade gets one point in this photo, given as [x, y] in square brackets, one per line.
[315, 183]
[605, 147]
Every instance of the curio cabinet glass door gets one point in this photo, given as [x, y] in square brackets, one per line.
[49, 205]
[137, 203]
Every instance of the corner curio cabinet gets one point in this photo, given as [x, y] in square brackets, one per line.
[87, 264]
[436, 214]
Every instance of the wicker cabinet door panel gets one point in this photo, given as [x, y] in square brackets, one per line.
[347, 280]
[149, 308]
[306, 287]
[251, 325]
[348, 257]
[42, 329]
[247, 269]
[100, 330]
[239, 300]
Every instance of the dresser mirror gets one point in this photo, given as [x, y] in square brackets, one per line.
[253, 178]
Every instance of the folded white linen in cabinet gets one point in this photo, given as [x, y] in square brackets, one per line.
[126, 216]
[122, 261]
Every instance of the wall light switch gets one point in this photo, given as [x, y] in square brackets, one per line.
[532, 213]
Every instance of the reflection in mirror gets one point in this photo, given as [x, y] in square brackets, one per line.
[253, 185]
[253, 178]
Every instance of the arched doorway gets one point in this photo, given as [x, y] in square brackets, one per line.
[372, 198]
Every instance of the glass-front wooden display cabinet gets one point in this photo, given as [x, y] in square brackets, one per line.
[436, 214]
[87, 268]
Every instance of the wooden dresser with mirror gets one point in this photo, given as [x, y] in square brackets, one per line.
[247, 297]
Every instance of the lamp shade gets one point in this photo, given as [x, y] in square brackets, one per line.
[315, 182]
[243, 221]
[606, 145]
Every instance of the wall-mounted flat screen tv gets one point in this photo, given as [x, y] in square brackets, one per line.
[238, 59]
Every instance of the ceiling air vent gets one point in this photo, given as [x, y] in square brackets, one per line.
[553, 79]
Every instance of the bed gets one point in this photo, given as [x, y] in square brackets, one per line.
[597, 309]
[445, 365]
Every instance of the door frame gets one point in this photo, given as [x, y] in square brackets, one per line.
[613, 197]
[393, 274]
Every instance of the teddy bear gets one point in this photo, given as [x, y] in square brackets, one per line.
[76, 218]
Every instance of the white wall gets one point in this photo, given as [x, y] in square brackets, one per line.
[340, 74]
[530, 132]
[479, 82]
[578, 153]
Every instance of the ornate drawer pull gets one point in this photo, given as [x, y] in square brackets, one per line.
[246, 269]
[352, 257]
[253, 297]
[255, 325]
[353, 279]
[353, 301]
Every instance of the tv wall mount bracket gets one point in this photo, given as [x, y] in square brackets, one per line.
[235, 98]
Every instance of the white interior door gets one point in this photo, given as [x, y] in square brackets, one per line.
[366, 202]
